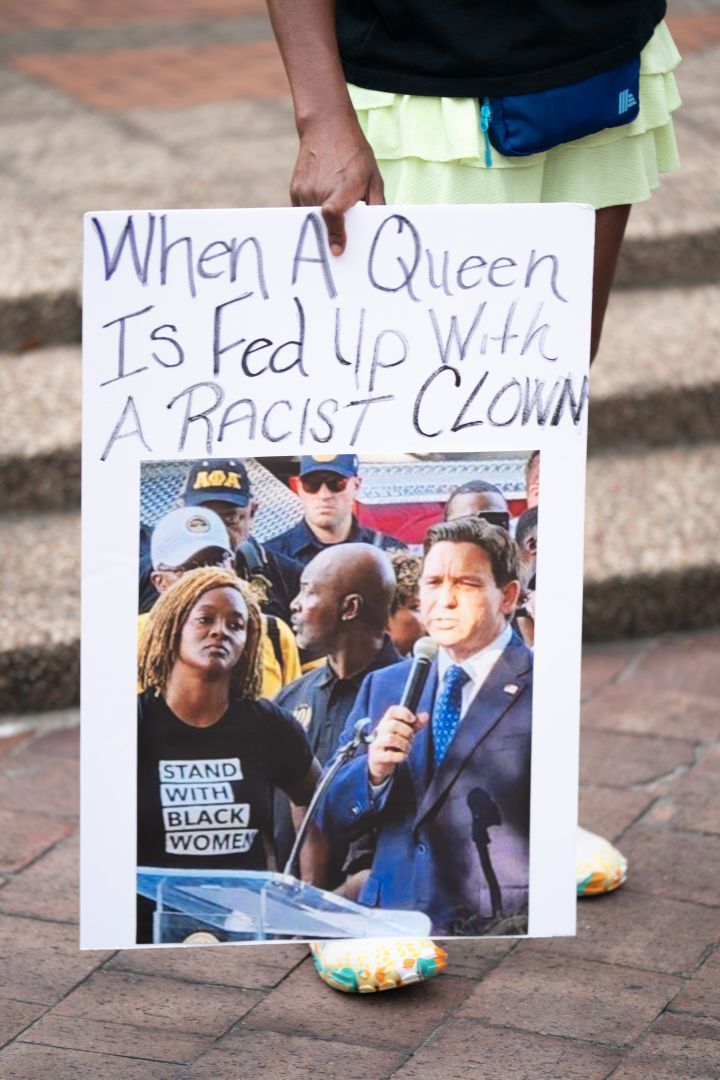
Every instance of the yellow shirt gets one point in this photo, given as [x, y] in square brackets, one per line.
[278, 674]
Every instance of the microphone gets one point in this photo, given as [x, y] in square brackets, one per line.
[361, 734]
[424, 652]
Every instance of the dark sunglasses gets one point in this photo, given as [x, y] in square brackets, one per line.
[495, 517]
[334, 483]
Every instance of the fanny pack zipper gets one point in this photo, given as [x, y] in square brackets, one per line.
[485, 118]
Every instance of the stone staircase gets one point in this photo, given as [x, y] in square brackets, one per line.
[652, 559]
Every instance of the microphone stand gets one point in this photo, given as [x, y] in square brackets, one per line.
[361, 737]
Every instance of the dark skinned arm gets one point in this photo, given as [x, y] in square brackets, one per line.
[313, 854]
[335, 167]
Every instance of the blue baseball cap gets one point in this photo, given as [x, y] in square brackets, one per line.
[223, 479]
[342, 464]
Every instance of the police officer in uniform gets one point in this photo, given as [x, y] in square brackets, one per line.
[223, 485]
[328, 486]
[342, 611]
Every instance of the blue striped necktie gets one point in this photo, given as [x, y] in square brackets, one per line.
[446, 714]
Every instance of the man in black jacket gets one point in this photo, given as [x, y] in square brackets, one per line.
[341, 611]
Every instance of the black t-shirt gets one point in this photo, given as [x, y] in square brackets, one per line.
[470, 48]
[205, 795]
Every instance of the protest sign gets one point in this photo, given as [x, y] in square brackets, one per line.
[445, 346]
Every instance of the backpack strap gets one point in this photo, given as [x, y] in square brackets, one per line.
[250, 558]
[274, 635]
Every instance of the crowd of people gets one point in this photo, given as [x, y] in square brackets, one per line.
[257, 660]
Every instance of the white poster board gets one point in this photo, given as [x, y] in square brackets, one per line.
[441, 331]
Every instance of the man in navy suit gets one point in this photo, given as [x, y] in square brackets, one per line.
[447, 789]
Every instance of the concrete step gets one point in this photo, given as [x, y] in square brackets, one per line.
[223, 154]
[651, 565]
[39, 611]
[51, 316]
[40, 410]
[656, 382]
[652, 561]
[675, 235]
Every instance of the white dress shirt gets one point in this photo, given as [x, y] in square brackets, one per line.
[477, 666]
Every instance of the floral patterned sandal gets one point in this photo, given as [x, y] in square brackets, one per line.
[365, 965]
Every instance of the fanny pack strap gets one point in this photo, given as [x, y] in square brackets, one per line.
[521, 124]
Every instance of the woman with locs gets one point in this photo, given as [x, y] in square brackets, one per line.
[389, 98]
[210, 751]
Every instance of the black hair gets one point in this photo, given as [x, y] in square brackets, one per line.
[474, 487]
[526, 523]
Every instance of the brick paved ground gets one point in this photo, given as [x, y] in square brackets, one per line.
[103, 103]
[61, 14]
[42, 41]
[634, 996]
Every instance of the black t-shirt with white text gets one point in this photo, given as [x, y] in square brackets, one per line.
[205, 794]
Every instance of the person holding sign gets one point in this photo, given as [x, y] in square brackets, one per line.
[409, 103]
[210, 754]
[402, 102]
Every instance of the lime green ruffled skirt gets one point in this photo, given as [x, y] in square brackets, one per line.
[431, 149]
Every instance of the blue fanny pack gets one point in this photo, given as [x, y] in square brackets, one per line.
[523, 124]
